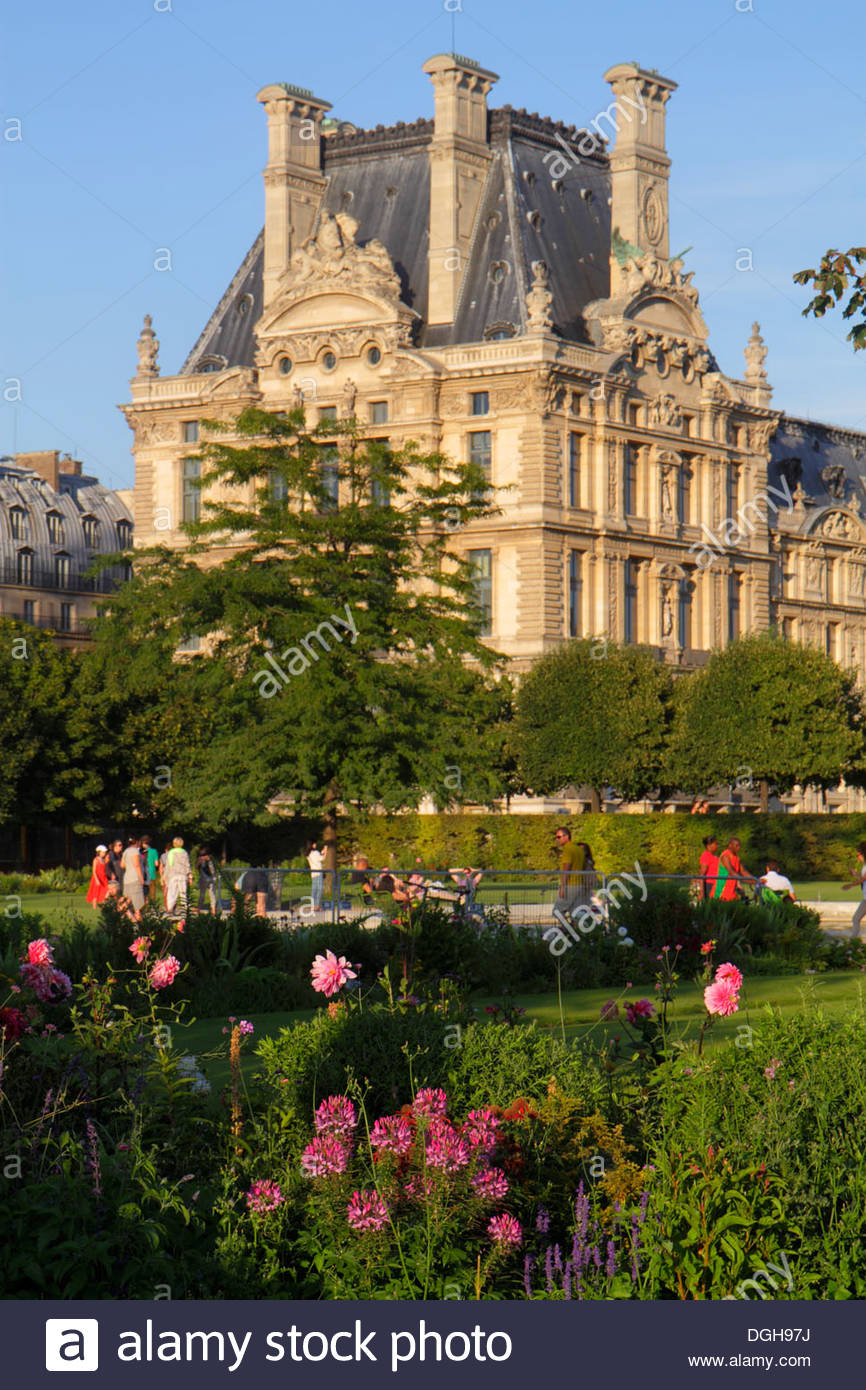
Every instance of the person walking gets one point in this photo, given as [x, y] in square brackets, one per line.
[98, 890]
[709, 867]
[178, 877]
[735, 871]
[571, 863]
[150, 861]
[114, 865]
[207, 877]
[316, 861]
[859, 878]
[133, 878]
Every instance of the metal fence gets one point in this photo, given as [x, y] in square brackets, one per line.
[300, 897]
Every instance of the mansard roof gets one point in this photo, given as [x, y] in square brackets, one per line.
[382, 177]
[78, 497]
[828, 461]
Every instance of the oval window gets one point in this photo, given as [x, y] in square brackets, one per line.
[285, 365]
[374, 356]
[329, 361]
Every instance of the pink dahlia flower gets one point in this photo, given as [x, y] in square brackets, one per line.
[323, 1157]
[642, 1008]
[140, 947]
[505, 1230]
[49, 985]
[264, 1197]
[491, 1184]
[480, 1129]
[445, 1148]
[336, 1116]
[366, 1211]
[722, 998]
[40, 953]
[731, 973]
[430, 1101]
[163, 972]
[392, 1134]
[330, 974]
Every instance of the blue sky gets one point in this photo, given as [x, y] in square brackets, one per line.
[140, 131]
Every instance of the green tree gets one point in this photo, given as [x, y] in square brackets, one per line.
[342, 658]
[593, 713]
[40, 780]
[769, 711]
[837, 275]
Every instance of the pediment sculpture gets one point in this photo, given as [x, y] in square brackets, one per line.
[333, 254]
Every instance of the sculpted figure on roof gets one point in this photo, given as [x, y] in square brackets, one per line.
[334, 253]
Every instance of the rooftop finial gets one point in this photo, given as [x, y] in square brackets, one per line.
[756, 356]
[148, 350]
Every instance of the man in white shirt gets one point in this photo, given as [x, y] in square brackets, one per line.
[316, 861]
[776, 881]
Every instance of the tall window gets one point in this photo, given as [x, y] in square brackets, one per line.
[55, 528]
[480, 402]
[62, 571]
[24, 567]
[124, 534]
[481, 563]
[630, 614]
[575, 442]
[734, 582]
[18, 523]
[733, 490]
[378, 412]
[379, 494]
[191, 495]
[685, 613]
[66, 617]
[575, 592]
[189, 430]
[330, 473]
[629, 480]
[278, 488]
[480, 449]
[29, 610]
[684, 498]
[91, 532]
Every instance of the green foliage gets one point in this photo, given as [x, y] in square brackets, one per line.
[769, 710]
[496, 1064]
[593, 713]
[838, 275]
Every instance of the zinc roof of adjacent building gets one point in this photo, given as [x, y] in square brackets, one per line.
[382, 177]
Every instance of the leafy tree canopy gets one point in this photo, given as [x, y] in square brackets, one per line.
[838, 275]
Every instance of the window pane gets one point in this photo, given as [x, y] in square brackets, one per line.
[378, 412]
[65, 617]
[191, 494]
[480, 450]
[25, 566]
[29, 610]
[481, 563]
[574, 448]
[190, 431]
[61, 571]
[733, 607]
[575, 593]
[630, 601]
[480, 402]
[329, 473]
[327, 413]
[629, 491]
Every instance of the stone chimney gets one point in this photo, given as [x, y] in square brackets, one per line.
[45, 462]
[459, 157]
[293, 174]
[639, 164]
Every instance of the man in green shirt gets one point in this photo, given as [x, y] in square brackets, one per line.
[571, 862]
[151, 858]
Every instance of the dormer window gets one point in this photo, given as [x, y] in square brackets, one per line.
[55, 528]
[18, 523]
[91, 532]
[62, 570]
[24, 566]
[124, 534]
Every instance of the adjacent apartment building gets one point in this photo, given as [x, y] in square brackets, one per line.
[500, 286]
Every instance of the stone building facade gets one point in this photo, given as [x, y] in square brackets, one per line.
[54, 522]
[500, 286]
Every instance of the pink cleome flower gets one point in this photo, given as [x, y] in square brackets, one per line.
[323, 1157]
[39, 952]
[392, 1134]
[140, 948]
[505, 1230]
[445, 1148]
[336, 1116]
[418, 1188]
[163, 972]
[480, 1129]
[264, 1197]
[491, 1184]
[610, 1010]
[642, 1008]
[330, 974]
[722, 998]
[245, 1027]
[430, 1101]
[366, 1211]
[731, 973]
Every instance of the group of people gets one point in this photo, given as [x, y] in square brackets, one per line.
[724, 876]
[416, 887]
[134, 875]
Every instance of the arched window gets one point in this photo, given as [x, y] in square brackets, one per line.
[124, 534]
[24, 563]
[18, 523]
[54, 522]
[91, 532]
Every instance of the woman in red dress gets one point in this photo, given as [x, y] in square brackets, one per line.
[98, 890]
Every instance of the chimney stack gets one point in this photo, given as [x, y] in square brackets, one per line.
[639, 164]
[293, 175]
[459, 157]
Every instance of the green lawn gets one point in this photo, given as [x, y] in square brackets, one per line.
[835, 993]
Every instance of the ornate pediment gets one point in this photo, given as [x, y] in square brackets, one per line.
[652, 294]
[837, 524]
[333, 280]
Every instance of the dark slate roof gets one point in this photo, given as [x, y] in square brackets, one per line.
[382, 178]
[810, 453]
[78, 497]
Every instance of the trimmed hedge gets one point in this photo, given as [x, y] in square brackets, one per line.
[808, 846]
